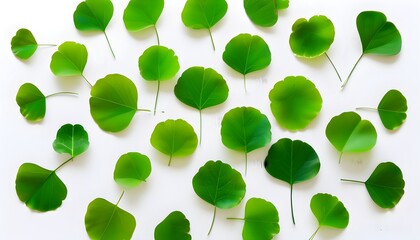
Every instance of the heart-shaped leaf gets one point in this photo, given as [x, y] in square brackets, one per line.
[392, 109]
[246, 53]
[292, 162]
[220, 185]
[94, 15]
[199, 14]
[385, 186]
[329, 211]
[175, 138]
[174, 227]
[71, 139]
[347, 132]
[295, 102]
[200, 88]
[264, 12]
[24, 44]
[39, 188]
[104, 220]
[32, 102]
[113, 102]
[245, 129]
[131, 169]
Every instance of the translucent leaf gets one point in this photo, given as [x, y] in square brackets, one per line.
[32, 102]
[23, 44]
[69, 60]
[132, 169]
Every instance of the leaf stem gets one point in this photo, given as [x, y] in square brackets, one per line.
[122, 194]
[351, 72]
[244, 82]
[291, 203]
[157, 97]
[367, 108]
[313, 235]
[64, 163]
[231, 218]
[212, 40]
[201, 125]
[246, 163]
[212, 222]
[352, 181]
[109, 44]
[157, 34]
[170, 160]
[61, 93]
[143, 110]
[339, 159]
[332, 63]
[47, 45]
[83, 76]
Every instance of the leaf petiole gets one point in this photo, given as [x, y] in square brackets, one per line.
[157, 97]
[201, 125]
[351, 72]
[143, 110]
[170, 160]
[64, 163]
[212, 40]
[61, 93]
[291, 203]
[367, 108]
[245, 82]
[212, 222]
[109, 44]
[157, 34]
[332, 63]
[313, 235]
[83, 76]
[47, 45]
[352, 181]
[239, 219]
[122, 194]
[246, 163]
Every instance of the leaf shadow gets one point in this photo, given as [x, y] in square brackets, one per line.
[133, 197]
[143, 34]
[329, 233]
[72, 82]
[316, 63]
[384, 59]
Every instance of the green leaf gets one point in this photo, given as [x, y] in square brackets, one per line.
[174, 227]
[94, 15]
[392, 109]
[311, 38]
[292, 162]
[220, 185]
[71, 139]
[113, 102]
[40, 189]
[142, 14]
[69, 60]
[106, 221]
[295, 102]
[175, 138]
[245, 129]
[347, 132]
[282, 4]
[329, 211]
[246, 53]
[200, 88]
[264, 13]
[24, 44]
[385, 186]
[32, 102]
[203, 14]
[131, 169]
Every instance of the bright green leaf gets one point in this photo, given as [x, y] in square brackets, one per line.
[142, 14]
[69, 60]
[106, 221]
[264, 13]
[246, 53]
[132, 169]
[220, 185]
[31, 102]
[174, 227]
[113, 102]
[292, 162]
[282, 4]
[71, 139]
[295, 102]
[40, 189]
[392, 109]
[24, 44]
[175, 138]
[329, 211]
[347, 132]
[203, 14]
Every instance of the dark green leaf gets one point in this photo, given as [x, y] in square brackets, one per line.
[31, 102]
[93, 15]
[132, 169]
[142, 14]
[24, 44]
[71, 139]
[392, 109]
[261, 220]
[69, 60]
[174, 227]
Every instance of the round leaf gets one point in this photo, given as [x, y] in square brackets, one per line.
[132, 169]
[93, 15]
[203, 15]
[113, 102]
[261, 220]
[329, 211]
[219, 184]
[200, 88]
[158, 63]
[295, 102]
[261, 12]
[347, 132]
[106, 221]
[174, 227]
[311, 38]
[174, 138]
[40, 189]
[378, 36]
[142, 14]
[31, 102]
[24, 44]
[71, 139]
[69, 60]
[282, 4]
[392, 109]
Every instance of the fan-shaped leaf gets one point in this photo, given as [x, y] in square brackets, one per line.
[174, 227]
[31, 102]
[392, 109]
[24, 44]
[282, 4]
[69, 60]
[264, 12]
[142, 14]
[132, 169]
[71, 139]
[113, 102]
[295, 102]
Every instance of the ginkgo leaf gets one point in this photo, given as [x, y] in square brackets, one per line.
[201, 88]
[131, 169]
[203, 14]
[32, 102]
[264, 13]
[292, 162]
[347, 132]
[282, 4]
[175, 138]
[329, 211]
[94, 15]
[107, 221]
[113, 102]
[220, 185]
[71, 139]
[245, 129]
[23, 44]
[39, 188]
[385, 185]
[174, 227]
[295, 102]
[247, 53]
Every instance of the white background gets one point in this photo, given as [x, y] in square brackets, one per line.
[169, 189]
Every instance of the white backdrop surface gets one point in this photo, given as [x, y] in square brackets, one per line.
[169, 188]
